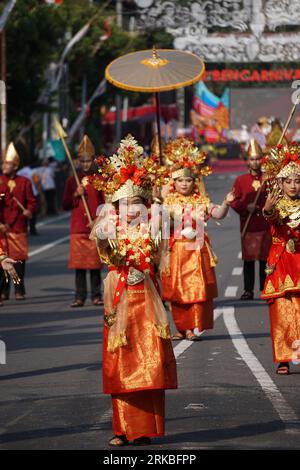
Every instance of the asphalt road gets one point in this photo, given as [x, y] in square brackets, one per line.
[229, 396]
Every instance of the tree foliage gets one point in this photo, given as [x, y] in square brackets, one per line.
[36, 34]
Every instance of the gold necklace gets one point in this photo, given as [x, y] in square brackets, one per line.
[290, 208]
[193, 199]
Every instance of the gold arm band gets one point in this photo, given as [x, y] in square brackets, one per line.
[268, 214]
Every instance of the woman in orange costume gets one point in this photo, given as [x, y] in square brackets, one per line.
[187, 270]
[282, 286]
[138, 359]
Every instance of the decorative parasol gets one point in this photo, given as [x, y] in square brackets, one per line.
[155, 71]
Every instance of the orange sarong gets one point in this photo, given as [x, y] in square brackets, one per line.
[147, 361]
[139, 414]
[83, 252]
[285, 327]
[16, 245]
[190, 285]
[190, 316]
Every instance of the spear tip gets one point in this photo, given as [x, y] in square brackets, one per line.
[59, 129]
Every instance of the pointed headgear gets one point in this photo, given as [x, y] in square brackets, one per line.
[86, 148]
[254, 149]
[12, 155]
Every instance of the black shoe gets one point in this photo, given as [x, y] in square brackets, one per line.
[247, 295]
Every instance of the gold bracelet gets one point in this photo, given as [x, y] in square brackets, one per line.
[268, 214]
[3, 257]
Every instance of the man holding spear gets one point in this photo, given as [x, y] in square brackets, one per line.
[82, 199]
[255, 231]
[19, 204]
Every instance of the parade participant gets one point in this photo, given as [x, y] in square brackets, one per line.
[282, 286]
[83, 252]
[138, 359]
[19, 205]
[187, 273]
[255, 231]
[7, 264]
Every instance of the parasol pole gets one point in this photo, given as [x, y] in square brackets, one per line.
[278, 143]
[61, 134]
[157, 106]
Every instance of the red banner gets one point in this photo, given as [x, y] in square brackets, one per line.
[247, 75]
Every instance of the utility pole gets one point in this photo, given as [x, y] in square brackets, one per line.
[3, 98]
[119, 13]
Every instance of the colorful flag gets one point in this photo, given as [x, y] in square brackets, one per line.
[211, 111]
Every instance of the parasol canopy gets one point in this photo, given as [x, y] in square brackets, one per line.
[154, 71]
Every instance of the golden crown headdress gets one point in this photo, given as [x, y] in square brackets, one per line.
[128, 172]
[282, 161]
[185, 159]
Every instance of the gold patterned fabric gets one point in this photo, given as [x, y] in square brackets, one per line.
[139, 414]
[191, 277]
[189, 316]
[146, 361]
[285, 327]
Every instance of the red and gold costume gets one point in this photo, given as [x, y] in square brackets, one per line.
[15, 239]
[257, 240]
[83, 252]
[187, 272]
[18, 196]
[282, 286]
[138, 359]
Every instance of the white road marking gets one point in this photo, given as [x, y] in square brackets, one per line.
[237, 271]
[231, 291]
[285, 412]
[48, 246]
[195, 406]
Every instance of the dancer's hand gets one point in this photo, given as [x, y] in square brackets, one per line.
[272, 199]
[230, 197]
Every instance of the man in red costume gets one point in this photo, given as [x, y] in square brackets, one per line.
[83, 251]
[256, 240]
[19, 206]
